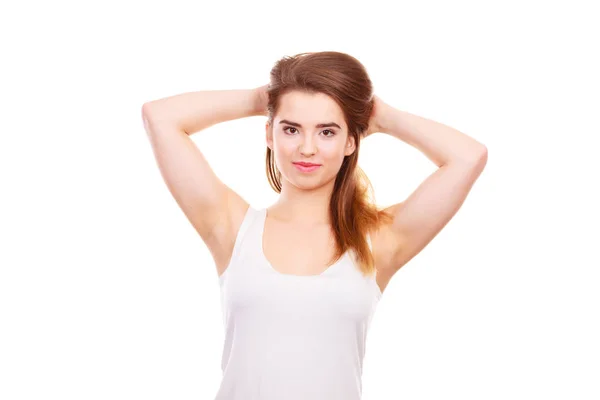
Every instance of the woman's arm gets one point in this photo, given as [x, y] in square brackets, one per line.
[425, 212]
[195, 111]
[440, 143]
[213, 208]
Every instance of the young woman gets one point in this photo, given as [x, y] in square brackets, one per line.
[300, 279]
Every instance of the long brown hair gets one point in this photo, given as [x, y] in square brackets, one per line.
[342, 77]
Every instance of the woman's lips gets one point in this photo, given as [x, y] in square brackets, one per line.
[306, 167]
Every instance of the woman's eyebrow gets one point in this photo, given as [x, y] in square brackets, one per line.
[325, 125]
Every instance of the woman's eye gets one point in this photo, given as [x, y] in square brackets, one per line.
[331, 133]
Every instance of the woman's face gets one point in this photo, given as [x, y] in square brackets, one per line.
[297, 136]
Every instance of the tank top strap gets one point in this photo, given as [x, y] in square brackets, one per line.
[243, 231]
[374, 277]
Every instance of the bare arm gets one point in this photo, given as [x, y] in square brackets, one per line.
[213, 208]
[194, 111]
[420, 217]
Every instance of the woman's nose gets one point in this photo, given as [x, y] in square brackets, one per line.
[308, 146]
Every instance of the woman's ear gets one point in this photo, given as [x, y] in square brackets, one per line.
[350, 145]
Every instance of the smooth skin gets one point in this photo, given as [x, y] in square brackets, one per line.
[298, 221]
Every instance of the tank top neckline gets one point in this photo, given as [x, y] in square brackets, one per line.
[262, 223]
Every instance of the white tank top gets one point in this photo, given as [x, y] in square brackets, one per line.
[292, 337]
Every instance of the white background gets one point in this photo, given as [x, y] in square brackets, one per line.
[106, 290]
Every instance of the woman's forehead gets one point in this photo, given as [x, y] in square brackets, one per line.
[309, 110]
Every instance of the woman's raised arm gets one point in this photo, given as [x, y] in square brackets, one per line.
[214, 209]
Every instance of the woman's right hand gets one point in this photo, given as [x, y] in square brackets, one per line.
[261, 100]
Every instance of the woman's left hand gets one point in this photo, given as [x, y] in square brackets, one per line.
[375, 120]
